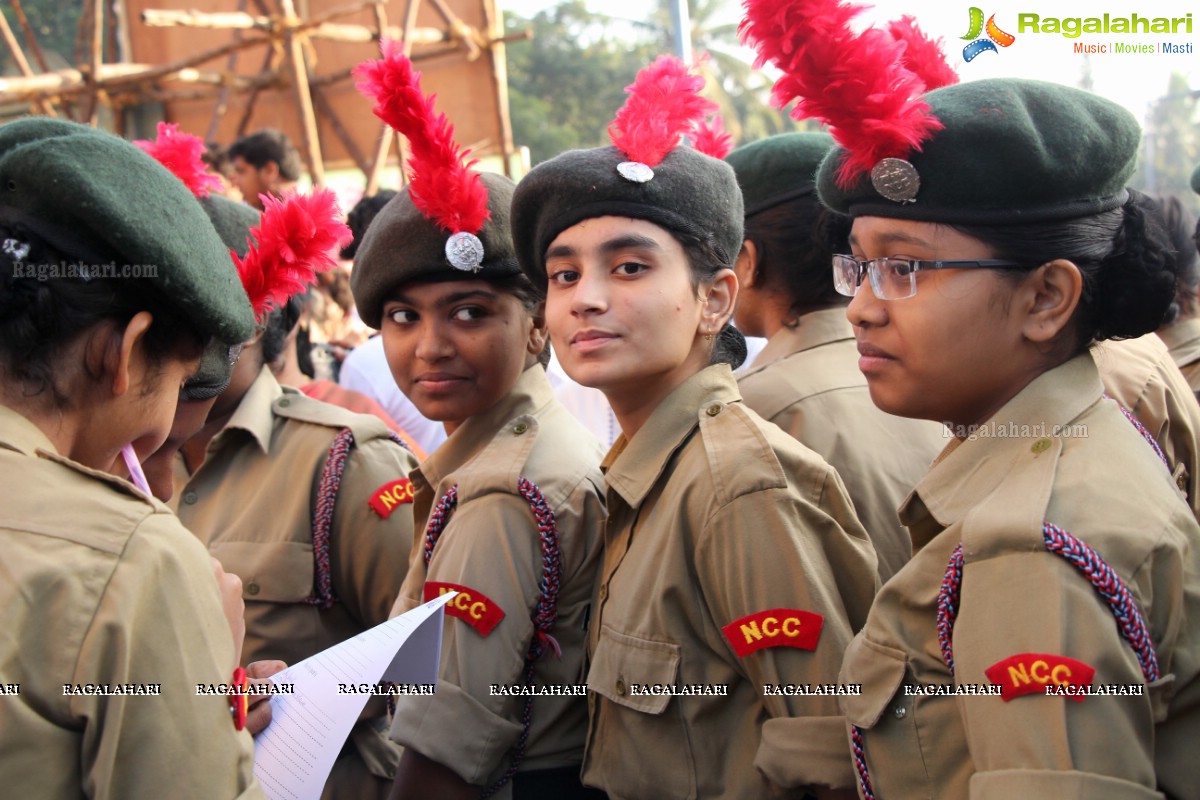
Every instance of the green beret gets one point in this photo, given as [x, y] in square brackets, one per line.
[1010, 151]
[779, 168]
[1196, 180]
[98, 198]
[403, 245]
[690, 194]
[232, 222]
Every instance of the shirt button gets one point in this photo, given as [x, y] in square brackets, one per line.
[520, 428]
[603, 593]
[900, 711]
[713, 410]
[1040, 446]
[251, 588]
[1181, 481]
[190, 497]
[621, 686]
[284, 403]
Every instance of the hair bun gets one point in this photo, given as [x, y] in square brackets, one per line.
[1137, 279]
[730, 347]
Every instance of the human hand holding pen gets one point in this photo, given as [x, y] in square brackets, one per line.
[259, 715]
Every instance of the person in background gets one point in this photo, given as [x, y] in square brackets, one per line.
[807, 380]
[1181, 334]
[365, 368]
[104, 587]
[511, 504]
[733, 557]
[265, 162]
[304, 501]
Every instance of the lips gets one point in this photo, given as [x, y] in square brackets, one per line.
[586, 341]
[871, 359]
[435, 382]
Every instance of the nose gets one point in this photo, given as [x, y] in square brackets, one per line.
[865, 309]
[590, 295]
[433, 344]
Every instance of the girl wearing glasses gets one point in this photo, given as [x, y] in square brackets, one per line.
[1056, 563]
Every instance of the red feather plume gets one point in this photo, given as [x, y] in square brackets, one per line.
[712, 139]
[443, 188]
[854, 83]
[181, 153]
[664, 103]
[296, 239]
[922, 55]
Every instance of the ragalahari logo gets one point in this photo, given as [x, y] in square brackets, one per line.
[995, 36]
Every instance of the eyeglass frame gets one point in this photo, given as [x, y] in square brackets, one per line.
[867, 267]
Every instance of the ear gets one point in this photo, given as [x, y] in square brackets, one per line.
[537, 331]
[121, 361]
[269, 171]
[719, 302]
[746, 265]
[1051, 294]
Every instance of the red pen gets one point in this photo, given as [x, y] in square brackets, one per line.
[239, 701]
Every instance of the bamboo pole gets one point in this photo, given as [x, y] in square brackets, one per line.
[310, 137]
[18, 56]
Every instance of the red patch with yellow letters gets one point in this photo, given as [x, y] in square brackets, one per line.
[471, 606]
[1031, 673]
[778, 627]
[390, 496]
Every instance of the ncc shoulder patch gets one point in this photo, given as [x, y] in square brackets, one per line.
[471, 606]
[390, 496]
[1031, 673]
[777, 627]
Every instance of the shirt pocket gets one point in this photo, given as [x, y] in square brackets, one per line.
[628, 671]
[271, 572]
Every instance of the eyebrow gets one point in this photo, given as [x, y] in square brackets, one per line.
[895, 237]
[450, 299]
[627, 241]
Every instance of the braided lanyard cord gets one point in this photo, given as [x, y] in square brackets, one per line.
[545, 613]
[322, 520]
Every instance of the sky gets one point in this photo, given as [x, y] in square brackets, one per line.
[1133, 79]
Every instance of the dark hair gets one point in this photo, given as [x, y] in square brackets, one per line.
[706, 259]
[46, 303]
[260, 149]
[361, 216]
[217, 158]
[796, 240]
[1124, 255]
[279, 324]
[1187, 276]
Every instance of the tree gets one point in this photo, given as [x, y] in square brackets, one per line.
[1171, 144]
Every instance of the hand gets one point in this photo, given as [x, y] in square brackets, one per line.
[230, 586]
[259, 716]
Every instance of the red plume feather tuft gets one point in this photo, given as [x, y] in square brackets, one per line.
[181, 153]
[444, 189]
[712, 139]
[663, 104]
[296, 239]
[922, 55]
[854, 83]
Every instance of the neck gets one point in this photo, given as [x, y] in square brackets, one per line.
[633, 405]
[287, 369]
[72, 431]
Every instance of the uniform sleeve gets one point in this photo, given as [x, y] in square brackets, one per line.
[160, 621]
[1021, 614]
[774, 550]
[490, 548]
[370, 552]
[1174, 421]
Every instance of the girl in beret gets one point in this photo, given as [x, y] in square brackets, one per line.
[510, 505]
[1044, 640]
[734, 568]
[112, 281]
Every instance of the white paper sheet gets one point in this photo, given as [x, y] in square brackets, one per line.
[294, 755]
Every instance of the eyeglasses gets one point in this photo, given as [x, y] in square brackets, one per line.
[896, 278]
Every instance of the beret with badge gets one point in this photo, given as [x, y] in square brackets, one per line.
[451, 222]
[996, 151]
[99, 199]
[778, 168]
[646, 174]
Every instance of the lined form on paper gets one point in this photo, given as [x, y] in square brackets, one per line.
[294, 755]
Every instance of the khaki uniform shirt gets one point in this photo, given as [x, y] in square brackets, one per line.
[491, 551]
[725, 535]
[807, 382]
[1183, 341]
[1100, 481]
[1140, 375]
[103, 586]
[251, 503]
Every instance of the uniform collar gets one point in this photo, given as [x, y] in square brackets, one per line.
[969, 470]
[634, 465]
[254, 414]
[1183, 340]
[812, 330]
[529, 395]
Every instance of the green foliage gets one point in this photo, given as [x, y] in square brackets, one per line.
[54, 24]
[1171, 144]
